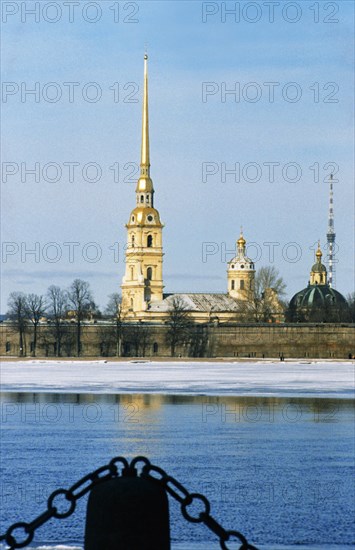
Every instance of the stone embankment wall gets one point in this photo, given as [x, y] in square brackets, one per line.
[237, 340]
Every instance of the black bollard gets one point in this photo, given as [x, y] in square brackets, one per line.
[127, 513]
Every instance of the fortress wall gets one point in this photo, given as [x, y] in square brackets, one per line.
[237, 340]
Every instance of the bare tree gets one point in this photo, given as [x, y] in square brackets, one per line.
[80, 298]
[266, 303]
[351, 303]
[17, 313]
[269, 277]
[35, 309]
[179, 324]
[198, 339]
[114, 312]
[57, 300]
[137, 335]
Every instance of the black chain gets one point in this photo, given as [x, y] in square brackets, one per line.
[120, 467]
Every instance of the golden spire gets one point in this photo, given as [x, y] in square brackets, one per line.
[145, 184]
[145, 159]
[319, 253]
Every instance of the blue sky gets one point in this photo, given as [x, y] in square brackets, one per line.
[186, 133]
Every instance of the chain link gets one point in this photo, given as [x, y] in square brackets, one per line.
[120, 467]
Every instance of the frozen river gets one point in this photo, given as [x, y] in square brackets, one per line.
[289, 378]
[270, 443]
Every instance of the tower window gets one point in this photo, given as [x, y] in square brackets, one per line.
[242, 284]
[149, 273]
[142, 198]
[132, 218]
[147, 199]
[232, 285]
[149, 241]
[131, 304]
[133, 240]
[155, 347]
[132, 273]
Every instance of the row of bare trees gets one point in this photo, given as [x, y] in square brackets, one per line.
[63, 308]
[27, 310]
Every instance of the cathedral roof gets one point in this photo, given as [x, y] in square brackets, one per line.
[144, 215]
[204, 302]
[241, 260]
[317, 296]
[318, 268]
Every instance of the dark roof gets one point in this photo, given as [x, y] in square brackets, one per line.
[317, 295]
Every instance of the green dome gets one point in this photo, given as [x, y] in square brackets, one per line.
[319, 268]
[317, 296]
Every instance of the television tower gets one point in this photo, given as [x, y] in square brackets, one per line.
[331, 237]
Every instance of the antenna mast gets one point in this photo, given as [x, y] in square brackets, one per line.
[331, 237]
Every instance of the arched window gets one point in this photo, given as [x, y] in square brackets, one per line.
[133, 239]
[132, 273]
[142, 198]
[155, 347]
[232, 285]
[132, 304]
[149, 273]
[147, 294]
[242, 284]
[149, 241]
[147, 199]
[8, 346]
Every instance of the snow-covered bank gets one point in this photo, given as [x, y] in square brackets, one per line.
[322, 379]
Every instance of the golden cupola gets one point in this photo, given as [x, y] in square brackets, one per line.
[318, 274]
[241, 273]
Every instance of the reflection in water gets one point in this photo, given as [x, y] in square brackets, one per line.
[225, 408]
[277, 469]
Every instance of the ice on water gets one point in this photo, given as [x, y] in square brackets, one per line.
[304, 378]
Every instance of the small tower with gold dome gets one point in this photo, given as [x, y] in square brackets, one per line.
[142, 283]
[318, 274]
[241, 273]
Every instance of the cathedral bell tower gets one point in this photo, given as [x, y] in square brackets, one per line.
[241, 273]
[142, 283]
